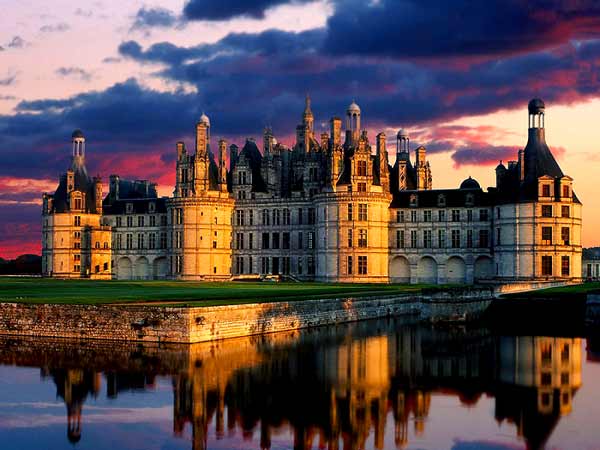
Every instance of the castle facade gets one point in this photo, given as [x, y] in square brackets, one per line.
[331, 208]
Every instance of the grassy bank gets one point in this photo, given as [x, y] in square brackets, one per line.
[559, 292]
[44, 290]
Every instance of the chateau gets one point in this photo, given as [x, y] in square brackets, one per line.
[332, 208]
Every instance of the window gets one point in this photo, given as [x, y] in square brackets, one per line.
[312, 216]
[498, 236]
[77, 221]
[163, 240]
[140, 241]
[264, 263]
[546, 210]
[300, 241]
[566, 192]
[129, 221]
[286, 216]
[300, 214]
[178, 242]
[441, 215]
[311, 240]
[77, 257]
[310, 262]
[413, 216]
[564, 354]
[76, 268]
[362, 169]
[265, 240]
[413, 238]
[239, 241]
[239, 218]
[362, 265]
[277, 217]
[469, 215]
[242, 177]
[275, 241]
[77, 245]
[442, 238]
[129, 243]
[140, 221]
[547, 265]
[427, 240]
[565, 211]
[565, 235]
[547, 235]
[469, 238]
[362, 187]
[362, 238]
[350, 238]
[399, 238]
[163, 221]
[545, 190]
[285, 241]
[399, 216]
[350, 211]
[349, 268]
[265, 217]
[362, 211]
[77, 203]
[152, 241]
[483, 215]
[427, 216]
[152, 220]
[484, 238]
[250, 241]
[455, 238]
[105, 266]
[119, 221]
[565, 267]
[455, 215]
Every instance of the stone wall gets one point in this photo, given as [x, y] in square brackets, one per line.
[201, 324]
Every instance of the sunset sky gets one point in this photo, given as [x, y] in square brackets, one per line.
[135, 76]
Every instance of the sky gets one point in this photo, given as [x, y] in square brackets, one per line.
[135, 76]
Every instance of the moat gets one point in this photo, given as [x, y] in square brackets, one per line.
[381, 384]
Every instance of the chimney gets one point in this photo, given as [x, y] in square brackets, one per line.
[98, 194]
[201, 138]
[324, 141]
[521, 165]
[70, 181]
[114, 186]
[180, 150]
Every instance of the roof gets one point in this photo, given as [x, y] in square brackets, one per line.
[252, 154]
[77, 134]
[81, 182]
[431, 198]
[140, 205]
[470, 183]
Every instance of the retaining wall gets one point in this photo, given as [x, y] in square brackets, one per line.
[200, 324]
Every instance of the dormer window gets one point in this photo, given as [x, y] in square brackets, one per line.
[362, 169]
[566, 192]
[413, 200]
[469, 200]
[441, 200]
[242, 177]
[545, 190]
[152, 207]
[129, 208]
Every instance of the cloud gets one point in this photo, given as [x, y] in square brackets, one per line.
[227, 9]
[9, 80]
[84, 12]
[111, 60]
[153, 17]
[17, 42]
[56, 28]
[75, 72]
[7, 97]
[460, 28]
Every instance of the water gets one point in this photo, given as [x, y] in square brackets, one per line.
[369, 385]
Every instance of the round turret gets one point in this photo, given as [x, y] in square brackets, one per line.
[402, 134]
[77, 134]
[536, 106]
[205, 120]
[353, 108]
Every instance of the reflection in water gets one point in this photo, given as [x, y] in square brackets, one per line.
[334, 387]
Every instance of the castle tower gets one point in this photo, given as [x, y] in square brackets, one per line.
[307, 116]
[402, 158]
[223, 165]
[352, 123]
[78, 144]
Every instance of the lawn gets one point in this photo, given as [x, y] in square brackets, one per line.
[46, 290]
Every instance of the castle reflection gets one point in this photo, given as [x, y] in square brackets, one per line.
[334, 388]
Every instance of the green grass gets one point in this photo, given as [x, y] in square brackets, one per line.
[563, 291]
[45, 290]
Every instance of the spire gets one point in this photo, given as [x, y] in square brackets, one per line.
[307, 105]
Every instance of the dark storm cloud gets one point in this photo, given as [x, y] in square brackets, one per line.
[153, 17]
[445, 29]
[228, 9]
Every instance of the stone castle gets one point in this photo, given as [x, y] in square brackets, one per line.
[331, 208]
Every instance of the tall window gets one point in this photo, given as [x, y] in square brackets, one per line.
[427, 216]
[362, 187]
[152, 241]
[350, 237]
[442, 238]
[77, 221]
[456, 215]
[362, 211]
[546, 210]
[300, 241]
[350, 211]
[119, 221]
[350, 268]
[152, 221]
[545, 190]
[469, 238]
[547, 265]
[566, 192]
[311, 240]
[140, 221]
[77, 203]
[547, 235]
[265, 240]
[399, 238]
[441, 215]
[427, 240]
[265, 217]
[250, 241]
[362, 265]
[275, 241]
[362, 168]
[483, 215]
[312, 215]
[140, 240]
[129, 242]
[565, 211]
[484, 238]
[413, 216]
[565, 268]
[277, 217]
[285, 240]
[286, 216]
[241, 177]
[469, 215]
[565, 235]
[239, 217]
[163, 240]
[413, 238]
[362, 238]
[300, 218]
[239, 240]
[399, 216]
[455, 238]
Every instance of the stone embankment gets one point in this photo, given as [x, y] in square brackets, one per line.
[199, 324]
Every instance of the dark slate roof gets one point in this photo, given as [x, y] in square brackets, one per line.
[82, 182]
[77, 134]
[140, 205]
[129, 189]
[252, 154]
[430, 198]
[470, 183]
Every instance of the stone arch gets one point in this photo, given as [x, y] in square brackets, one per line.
[399, 270]
[160, 268]
[142, 267]
[483, 268]
[427, 270]
[124, 269]
[456, 270]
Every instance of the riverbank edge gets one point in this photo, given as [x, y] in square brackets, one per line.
[149, 323]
